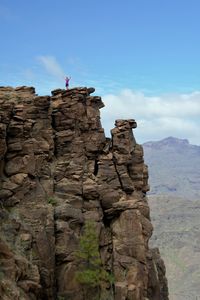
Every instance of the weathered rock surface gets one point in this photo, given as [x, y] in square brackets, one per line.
[57, 170]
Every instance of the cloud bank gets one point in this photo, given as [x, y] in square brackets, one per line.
[52, 66]
[157, 117]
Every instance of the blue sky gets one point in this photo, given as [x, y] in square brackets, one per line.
[140, 48]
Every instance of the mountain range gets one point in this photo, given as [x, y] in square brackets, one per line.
[173, 167]
[174, 199]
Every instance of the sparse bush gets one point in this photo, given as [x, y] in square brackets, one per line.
[60, 298]
[91, 273]
[52, 201]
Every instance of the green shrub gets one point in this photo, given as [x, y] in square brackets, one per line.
[91, 273]
[60, 298]
[52, 201]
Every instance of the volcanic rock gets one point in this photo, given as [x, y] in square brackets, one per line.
[58, 170]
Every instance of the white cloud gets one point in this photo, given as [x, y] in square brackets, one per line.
[52, 66]
[157, 117]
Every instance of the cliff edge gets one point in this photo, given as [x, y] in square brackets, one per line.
[58, 170]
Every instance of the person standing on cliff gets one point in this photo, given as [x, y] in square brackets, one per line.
[67, 79]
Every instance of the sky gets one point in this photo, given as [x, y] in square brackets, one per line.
[141, 56]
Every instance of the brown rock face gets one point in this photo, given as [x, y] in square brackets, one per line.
[57, 170]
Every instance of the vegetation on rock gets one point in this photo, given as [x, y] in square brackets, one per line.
[91, 273]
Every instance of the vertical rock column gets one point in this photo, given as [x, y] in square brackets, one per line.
[130, 224]
[26, 183]
[79, 138]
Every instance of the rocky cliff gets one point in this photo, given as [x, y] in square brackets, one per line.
[58, 170]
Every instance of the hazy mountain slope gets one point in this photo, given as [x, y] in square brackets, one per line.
[174, 170]
[174, 167]
[176, 224]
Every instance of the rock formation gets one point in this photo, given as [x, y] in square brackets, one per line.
[57, 170]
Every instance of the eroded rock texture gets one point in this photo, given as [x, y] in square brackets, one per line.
[57, 170]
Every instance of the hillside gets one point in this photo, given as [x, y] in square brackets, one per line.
[176, 224]
[174, 167]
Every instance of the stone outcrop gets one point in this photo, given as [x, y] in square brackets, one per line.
[58, 170]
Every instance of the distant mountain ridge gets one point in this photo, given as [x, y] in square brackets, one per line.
[169, 141]
[173, 167]
[174, 199]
